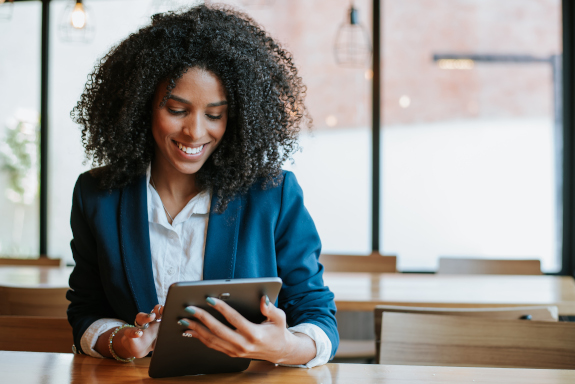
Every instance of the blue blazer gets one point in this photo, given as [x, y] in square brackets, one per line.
[263, 233]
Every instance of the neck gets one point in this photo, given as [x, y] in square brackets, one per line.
[172, 184]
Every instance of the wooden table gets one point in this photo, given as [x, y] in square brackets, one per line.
[363, 291]
[35, 277]
[56, 368]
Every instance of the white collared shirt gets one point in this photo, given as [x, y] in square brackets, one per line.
[178, 255]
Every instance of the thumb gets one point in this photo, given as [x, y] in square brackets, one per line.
[271, 312]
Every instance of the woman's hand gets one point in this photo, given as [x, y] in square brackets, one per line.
[133, 342]
[269, 340]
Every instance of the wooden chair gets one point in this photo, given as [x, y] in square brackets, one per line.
[355, 327]
[50, 302]
[374, 263]
[449, 265]
[35, 334]
[440, 340]
[534, 313]
[38, 262]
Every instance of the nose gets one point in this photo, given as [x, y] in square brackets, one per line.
[193, 126]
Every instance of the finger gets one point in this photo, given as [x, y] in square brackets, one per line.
[133, 333]
[273, 313]
[232, 316]
[145, 318]
[212, 341]
[157, 311]
[215, 327]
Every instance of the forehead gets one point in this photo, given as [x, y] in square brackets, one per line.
[196, 85]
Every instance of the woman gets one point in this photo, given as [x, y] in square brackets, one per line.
[190, 120]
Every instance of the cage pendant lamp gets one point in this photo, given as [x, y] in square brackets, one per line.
[6, 9]
[352, 46]
[76, 24]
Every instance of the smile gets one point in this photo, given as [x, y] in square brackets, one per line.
[190, 150]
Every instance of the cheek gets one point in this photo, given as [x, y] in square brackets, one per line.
[222, 129]
[161, 127]
[217, 132]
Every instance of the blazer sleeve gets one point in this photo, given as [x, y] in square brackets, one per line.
[88, 301]
[303, 296]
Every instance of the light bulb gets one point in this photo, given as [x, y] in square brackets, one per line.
[78, 18]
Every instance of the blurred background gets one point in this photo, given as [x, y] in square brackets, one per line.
[471, 131]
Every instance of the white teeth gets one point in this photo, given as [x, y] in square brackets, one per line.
[188, 150]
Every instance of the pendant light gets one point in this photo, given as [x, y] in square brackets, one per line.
[352, 46]
[76, 24]
[6, 9]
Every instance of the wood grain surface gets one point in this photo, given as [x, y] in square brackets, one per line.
[465, 266]
[363, 291]
[52, 368]
[424, 339]
[36, 334]
[372, 263]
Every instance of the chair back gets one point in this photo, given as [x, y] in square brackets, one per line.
[440, 340]
[464, 266]
[49, 302]
[373, 263]
[37, 262]
[534, 313]
[357, 341]
[35, 334]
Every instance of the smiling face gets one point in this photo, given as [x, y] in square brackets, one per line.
[192, 123]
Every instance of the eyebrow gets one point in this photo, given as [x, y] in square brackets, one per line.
[219, 103]
[216, 104]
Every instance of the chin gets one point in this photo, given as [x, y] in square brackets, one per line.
[188, 170]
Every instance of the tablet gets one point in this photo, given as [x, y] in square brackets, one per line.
[175, 355]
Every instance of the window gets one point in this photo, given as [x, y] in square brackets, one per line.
[334, 166]
[70, 64]
[19, 128]
[471, 137]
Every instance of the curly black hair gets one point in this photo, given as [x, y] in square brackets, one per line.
[265, 99]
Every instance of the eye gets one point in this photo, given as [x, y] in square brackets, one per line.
[212, 117]
[176, 112]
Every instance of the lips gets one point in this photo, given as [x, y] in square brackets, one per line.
[190, 150]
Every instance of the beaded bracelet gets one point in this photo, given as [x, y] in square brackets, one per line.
[112, 349]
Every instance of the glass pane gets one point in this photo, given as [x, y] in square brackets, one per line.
[334, 166]
[19, 128]
[471, 147]
[71, 60]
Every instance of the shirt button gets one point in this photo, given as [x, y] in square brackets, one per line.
[171, 270]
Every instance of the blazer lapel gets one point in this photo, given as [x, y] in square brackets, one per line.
[221, 241]
[135, 243]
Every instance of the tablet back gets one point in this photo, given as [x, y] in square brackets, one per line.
[175, 355]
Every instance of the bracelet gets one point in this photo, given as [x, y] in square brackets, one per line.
[129, 360]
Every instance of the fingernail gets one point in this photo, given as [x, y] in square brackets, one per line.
[267, 300]
[139, 333]
[190, 310]
[185, 334]
[183, 323]
[210, 301]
